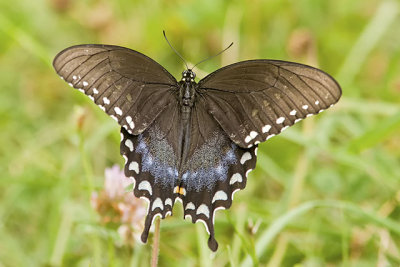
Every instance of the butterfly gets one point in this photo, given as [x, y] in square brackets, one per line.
[188, 141]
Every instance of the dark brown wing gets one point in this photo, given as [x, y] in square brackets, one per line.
[257, 99]
[215, 169]
[129, 86]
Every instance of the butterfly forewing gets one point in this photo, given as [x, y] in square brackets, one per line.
[132, 88]
[257, 99]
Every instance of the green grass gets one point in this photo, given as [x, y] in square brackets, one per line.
[326, 192]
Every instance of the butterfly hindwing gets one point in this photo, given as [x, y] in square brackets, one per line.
[129, 86]
[257, 99]
[214, 170]
[151, 159]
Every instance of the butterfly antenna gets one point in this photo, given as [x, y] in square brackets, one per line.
[176, 52]
[210, 57]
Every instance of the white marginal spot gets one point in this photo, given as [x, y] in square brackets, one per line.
[245, 157]
[219, 208]
[168, 201]
[85, 83]
[266, 128]
[219, 195]
[122, 136]
[248, 171]
[91, 97]
[125, 158]
[270, 136]
[233, 193]
[203, 209]
[148, 203]
[118, 111]
[183, 191]
[205, 224]
[284, 128]
[154, 217]
[304, 107]
[81, 90]
[168, 213]
[190, 206]
[95, 91]
[280, 120]
[115, 118]
[247, 139]
[188, 216]
[145, 185]
[157, 204]
[237, 177]
[293, 112]
[255, 151]
[106, 100]
[102, 108]
[130, 122]
[70, 84]
[74, 77]
[249, 145]
[256, 142]
[321, 110]
[297, 120]
[309, 115]
[62, 78]
[253, 134]
[316, 102]
[134, 166]
[331, 105]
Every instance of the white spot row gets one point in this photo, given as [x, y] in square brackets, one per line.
[251, 136]
[106, 100]
[145, 185]
[219, 195]
[203, 209]
[129, 144]
[236, 178]
[266, 128]
[130, 122]
[118, 111]
[168, 202]
[280, 120]
[245, 157]
[134, 166]
[157, 204]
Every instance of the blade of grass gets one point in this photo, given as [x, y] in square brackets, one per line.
[24, 39]
[374, 31]
[281, 222]
[377, 134]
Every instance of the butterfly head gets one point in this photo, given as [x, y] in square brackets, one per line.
[188, 75]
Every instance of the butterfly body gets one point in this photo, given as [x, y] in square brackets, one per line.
[193, 142]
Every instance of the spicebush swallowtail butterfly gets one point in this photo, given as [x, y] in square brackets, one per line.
[188, 141]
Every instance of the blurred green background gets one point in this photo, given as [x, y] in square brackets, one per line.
[324, 193]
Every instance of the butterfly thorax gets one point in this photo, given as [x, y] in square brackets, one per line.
[187, 89]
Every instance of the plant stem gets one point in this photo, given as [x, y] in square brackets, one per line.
[156, 243]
